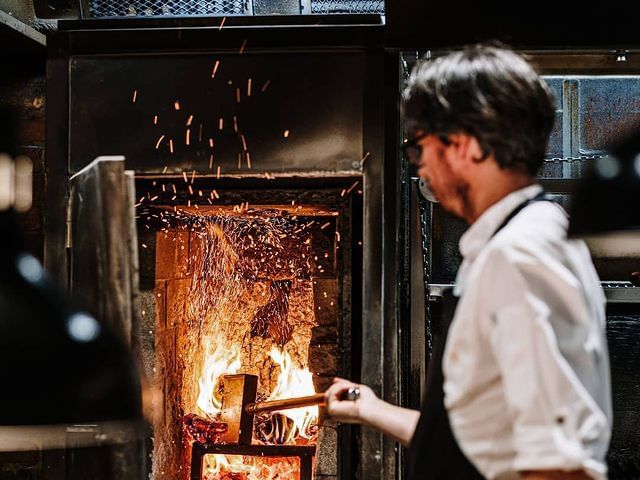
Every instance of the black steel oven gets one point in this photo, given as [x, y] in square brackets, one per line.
[251, 131]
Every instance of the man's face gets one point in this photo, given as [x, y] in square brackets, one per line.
[437, 164]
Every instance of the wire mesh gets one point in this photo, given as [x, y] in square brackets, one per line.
[141, 8]
[347, 6]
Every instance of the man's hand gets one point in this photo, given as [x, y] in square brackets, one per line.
[349, 411]
[555, 475]
[397, 422]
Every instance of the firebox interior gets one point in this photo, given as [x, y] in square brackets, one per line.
[261, 286]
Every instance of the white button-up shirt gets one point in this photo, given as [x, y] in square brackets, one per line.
[527, 382]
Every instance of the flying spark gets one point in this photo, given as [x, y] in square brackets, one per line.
[215, 68]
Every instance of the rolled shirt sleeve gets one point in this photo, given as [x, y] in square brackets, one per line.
[535, 330]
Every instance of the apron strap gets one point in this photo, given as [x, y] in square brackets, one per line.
[540, 197]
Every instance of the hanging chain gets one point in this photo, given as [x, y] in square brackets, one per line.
[425, 228]
[581, 158]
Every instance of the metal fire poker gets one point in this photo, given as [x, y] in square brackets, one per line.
[239, 406]
[351, 394]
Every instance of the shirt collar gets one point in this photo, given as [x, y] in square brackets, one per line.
[481, 231]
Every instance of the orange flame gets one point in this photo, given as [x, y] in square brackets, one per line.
[252, 468]
[219, 360]
[224, 284]
[294, 382]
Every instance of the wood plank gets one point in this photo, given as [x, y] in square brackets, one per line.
[101, 244]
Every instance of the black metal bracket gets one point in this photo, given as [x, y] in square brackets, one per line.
[304, 453]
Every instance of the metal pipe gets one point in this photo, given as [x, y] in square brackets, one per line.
[317, 399]
[352, 394]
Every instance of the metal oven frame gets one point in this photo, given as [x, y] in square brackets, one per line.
[305, 454]
[362, 450]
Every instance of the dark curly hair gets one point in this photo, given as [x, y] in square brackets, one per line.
[489, 92]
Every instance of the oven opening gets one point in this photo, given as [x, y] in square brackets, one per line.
[251, 305]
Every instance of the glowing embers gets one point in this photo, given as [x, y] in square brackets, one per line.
[236, 467]
[251, 462]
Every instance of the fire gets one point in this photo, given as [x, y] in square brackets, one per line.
[250, 292]
[294, 382]
[221, 361]
[231, 467]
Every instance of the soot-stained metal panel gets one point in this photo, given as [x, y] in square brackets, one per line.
[290, 112]
[624, 349]
[608, 107]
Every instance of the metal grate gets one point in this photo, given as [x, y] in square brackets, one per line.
[347, 6]
[141, 8]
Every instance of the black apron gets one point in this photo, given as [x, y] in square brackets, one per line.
[434, 453]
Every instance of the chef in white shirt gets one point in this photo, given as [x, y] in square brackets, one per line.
[519, 386]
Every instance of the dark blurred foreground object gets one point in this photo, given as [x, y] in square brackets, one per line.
[605, 210]
[70, 406]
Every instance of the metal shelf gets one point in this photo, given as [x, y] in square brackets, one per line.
[621, 292]
[615, 291]
[19, 39]
[436, 290]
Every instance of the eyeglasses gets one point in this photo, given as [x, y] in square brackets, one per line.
[413, 150]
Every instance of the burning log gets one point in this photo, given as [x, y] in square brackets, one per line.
[202, 430]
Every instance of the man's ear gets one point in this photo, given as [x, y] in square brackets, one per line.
[475, 150]
[468, 147]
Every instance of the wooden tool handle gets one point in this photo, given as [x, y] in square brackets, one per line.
[351, 394]
[317, 399]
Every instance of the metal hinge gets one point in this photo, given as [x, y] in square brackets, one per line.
[436, 290]
[68, 219]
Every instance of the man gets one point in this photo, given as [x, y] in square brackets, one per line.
[524, 389]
